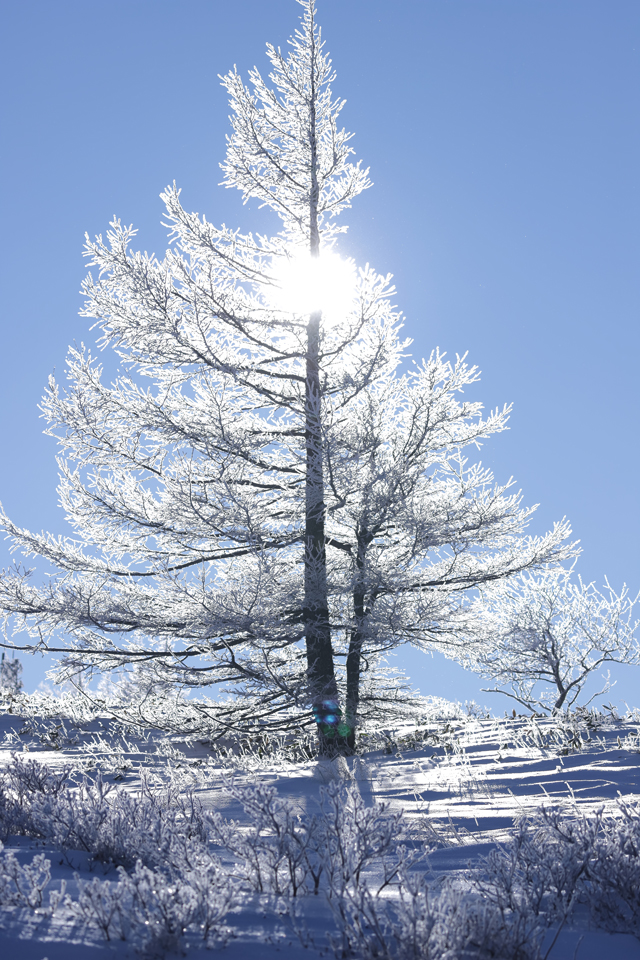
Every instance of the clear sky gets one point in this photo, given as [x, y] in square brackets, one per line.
[504, 144]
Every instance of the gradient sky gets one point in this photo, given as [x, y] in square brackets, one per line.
[504, 147]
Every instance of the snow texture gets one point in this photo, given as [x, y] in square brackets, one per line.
[463, 837]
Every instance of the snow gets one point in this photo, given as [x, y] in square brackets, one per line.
[460, 786]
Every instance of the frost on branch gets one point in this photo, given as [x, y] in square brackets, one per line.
[287, 855]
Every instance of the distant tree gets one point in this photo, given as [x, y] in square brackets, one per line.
[543, 629]
[259, 500]
[10, 677]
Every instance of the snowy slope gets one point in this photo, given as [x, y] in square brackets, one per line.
[460, 785]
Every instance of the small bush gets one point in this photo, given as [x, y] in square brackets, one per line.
[283, 854]
[24, 886]
[112, 825]
[155, 913]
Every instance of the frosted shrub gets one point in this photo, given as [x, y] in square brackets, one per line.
[542, 870]
[558, 860]
[171, 888]
[24, 886]
[533, 881]
[155, 913]
[355, 837]
[614, 872]
[111, 825]
[282, 854]
[24, 785]
[177, 885]
[448, 924]
[100, 903]
[276, 852]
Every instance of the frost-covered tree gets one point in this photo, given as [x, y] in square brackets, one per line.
[259, 500]
[543, 635]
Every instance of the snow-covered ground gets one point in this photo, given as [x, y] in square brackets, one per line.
[460, 785]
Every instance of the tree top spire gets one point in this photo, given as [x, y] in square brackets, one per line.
[286, 148]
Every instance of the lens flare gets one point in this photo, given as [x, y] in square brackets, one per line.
[303, 285]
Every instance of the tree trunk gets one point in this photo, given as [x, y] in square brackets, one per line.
[355, 645]
[561, 699]
[320, 669]
[353, 686]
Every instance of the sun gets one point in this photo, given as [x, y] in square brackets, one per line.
[304, 285]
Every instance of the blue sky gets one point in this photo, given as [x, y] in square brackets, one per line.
[504, 146]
